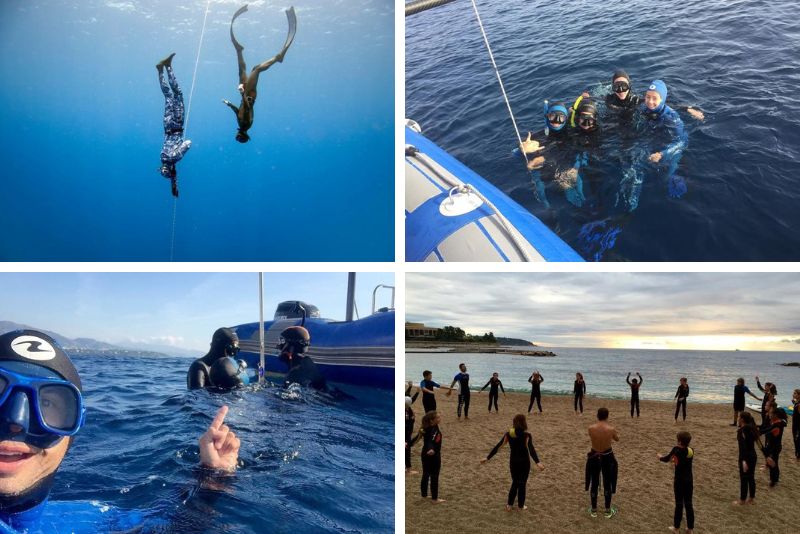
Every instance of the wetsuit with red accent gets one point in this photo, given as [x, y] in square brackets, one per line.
[773, 435]
[683, 485]
[431, 462]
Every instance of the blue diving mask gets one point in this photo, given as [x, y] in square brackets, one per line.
[556, 117]
[45, 406]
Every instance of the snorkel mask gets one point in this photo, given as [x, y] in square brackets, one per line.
[40, 396]
[555, 117]
[293, 340]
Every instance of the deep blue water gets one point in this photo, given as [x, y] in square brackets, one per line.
[711, 374]
[81, 132]
[308, 464]
[736, 60]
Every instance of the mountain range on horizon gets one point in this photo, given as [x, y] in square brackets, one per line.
[85, 344]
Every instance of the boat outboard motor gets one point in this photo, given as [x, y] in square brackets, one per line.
[295, 309]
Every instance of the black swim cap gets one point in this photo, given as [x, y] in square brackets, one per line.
[297, 336]
[620, 73]
[587, 106]
[222, 338]
[37, 348]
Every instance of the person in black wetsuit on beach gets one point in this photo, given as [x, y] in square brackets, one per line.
[738, 399]
[770, 392]
[681, 457]
[463, 390]
[681, 394]
[493, 391]
[601, 461]
[635, 385]
[431, 454]
[410, 418]
[796, 423]
[579, 390]
[773, 437]
[426, 387]
[536, 380]
[747, 437]
[413, 397]
[520, 443]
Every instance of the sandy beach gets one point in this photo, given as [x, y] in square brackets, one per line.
[476, 494]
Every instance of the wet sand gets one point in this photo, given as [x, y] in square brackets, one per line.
[476, 494]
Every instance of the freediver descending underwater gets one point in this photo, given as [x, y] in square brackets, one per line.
[247, 84]
[175, 147]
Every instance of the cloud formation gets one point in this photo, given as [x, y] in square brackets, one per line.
[601, 309]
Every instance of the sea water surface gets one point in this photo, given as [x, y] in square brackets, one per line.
[81, 132]
[736, 60]
[308, 463]
[711, 374]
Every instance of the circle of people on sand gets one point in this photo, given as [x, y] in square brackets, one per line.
[601, 465]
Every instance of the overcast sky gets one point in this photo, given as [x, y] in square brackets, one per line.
[176, 309]
[725, 311]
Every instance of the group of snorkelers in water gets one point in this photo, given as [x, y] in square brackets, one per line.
[566, 150]
[42, 408]
[600, 461]
[175, 146]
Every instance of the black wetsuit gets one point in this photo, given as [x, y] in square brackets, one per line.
[431, 464]
[624, 108]
[683, 484]
[604, 463]
[305, 372]
[410, 418]
[764, 402]
[428, 399]
[747, 453]
[738, 397]
[198, 376]
[796, 429]
[520, 444]
[681, 394]
[634, 391]
[463, 393]
[773, 436]
[579, 389]
[536, 392]
[494, 392]
[408, 394]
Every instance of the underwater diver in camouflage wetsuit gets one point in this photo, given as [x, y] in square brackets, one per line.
[175, 146]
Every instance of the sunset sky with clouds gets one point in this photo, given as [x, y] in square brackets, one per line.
[702, 311]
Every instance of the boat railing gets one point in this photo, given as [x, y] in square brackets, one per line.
[375, 291]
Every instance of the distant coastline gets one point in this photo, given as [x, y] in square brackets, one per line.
[446, 347]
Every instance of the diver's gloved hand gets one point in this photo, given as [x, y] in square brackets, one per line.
[219, 446]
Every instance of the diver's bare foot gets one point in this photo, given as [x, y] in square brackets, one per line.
[739, 503]
[751, 501]
[674, 530]
[523, 508]
[438, 501]
[689, 531]
[508, 508]
[411, 472]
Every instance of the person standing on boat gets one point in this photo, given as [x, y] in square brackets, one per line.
[175, 147]
[42, 408]
[247, 83]
[463, 390]
[224, 343]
